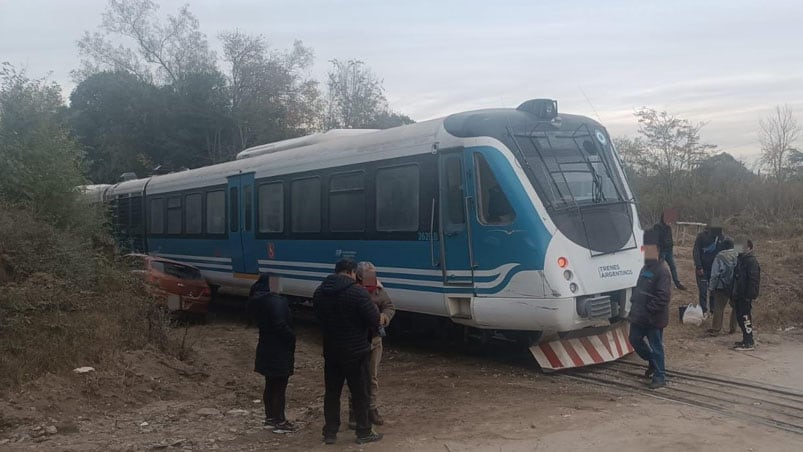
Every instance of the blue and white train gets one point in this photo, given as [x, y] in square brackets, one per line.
[517, 222]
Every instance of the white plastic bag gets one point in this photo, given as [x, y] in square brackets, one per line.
[693, 315]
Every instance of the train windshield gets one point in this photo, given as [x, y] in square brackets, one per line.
[571, 167]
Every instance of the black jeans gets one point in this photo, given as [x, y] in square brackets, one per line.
[355, 374]
[744, 316]
[274, 398]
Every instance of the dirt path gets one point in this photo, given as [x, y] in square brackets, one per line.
[436, 400]
[433, 398]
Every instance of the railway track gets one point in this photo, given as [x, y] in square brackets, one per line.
[770, 405]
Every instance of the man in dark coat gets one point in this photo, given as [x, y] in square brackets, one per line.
[649, 311]
[706, 247]
[666, 244]
[347, 317]
[275, 355]
[746, 283]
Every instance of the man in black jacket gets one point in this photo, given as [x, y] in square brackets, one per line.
[666, 244]
[347, 317]
[275, 355]
[706, 247]
[746, 283]
[649, 311]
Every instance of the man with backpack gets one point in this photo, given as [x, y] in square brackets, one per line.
[721, 286]
[746, 283]
[706, 247]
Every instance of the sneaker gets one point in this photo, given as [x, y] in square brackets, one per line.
[329, 439]
[271, 423]
[656, 384]
[370, 438]
[738, 344]
[650, 372]
[745, 347]
[285, 427]
[680, 287]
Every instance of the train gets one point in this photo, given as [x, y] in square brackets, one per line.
[516, 223]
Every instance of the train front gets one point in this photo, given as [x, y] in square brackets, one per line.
[585, 228]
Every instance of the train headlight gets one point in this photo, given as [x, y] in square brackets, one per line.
[563, 262]
[573, 287]
[568, 275]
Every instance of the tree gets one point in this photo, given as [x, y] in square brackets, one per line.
[667, 148]
[356, 99]
[40, 165]
[117, 119]
[778, 134]
[160, 51]
[270, 96]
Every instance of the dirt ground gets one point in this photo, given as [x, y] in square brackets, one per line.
[434, 398]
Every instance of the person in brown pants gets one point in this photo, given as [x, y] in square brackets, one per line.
[721, 284]
[366, 276]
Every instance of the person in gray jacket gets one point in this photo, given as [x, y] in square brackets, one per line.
[721, 285]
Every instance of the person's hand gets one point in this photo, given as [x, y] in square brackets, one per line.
[383, 320]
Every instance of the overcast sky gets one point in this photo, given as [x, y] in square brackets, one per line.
[724, 62]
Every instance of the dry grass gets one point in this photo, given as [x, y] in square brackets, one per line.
[780, 303]
[64, 302]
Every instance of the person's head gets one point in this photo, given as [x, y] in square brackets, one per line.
[727, 243]
[669, 216]
[346, 267]
[261, 286]
[743, 244]
[650, 246]
[366, 275]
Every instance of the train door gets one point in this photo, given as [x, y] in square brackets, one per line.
[241, 223]
[455, 232]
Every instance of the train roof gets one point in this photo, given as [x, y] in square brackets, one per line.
[342, 148]
[349, 149]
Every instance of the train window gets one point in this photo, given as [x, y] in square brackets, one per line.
[397, 199]
[216, 212]
[248, 205]
[347, 202]
[157, 223]
[193, 214]
[494, 207]
[271, 208]
[456, 213]
[234, 209]
[305, 199]
[174, 215]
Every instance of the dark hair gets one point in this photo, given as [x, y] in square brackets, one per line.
[346, 265]
[750, 243]
[727, 243]
[261, 286]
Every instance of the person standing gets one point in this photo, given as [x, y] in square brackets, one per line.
[275, 354]
[347, 318]
[366, 276]
[746, 284]
[721, 285]
[649, 311]
[666, 244]
[706, 246]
